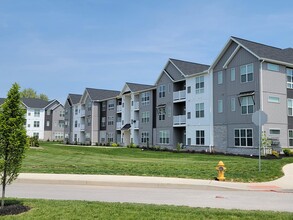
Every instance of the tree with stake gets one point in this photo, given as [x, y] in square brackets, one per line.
[13, 139]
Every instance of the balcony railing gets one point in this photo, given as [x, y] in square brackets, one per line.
[82, 113]
[119, 108]
[136, 125]
[179, 120]
[118, 125]
[82, 127]
[180, 95]
[136, 105]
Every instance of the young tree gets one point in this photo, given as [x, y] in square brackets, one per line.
[31, 93]
[13, 139]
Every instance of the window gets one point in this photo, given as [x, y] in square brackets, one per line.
[233, 105]
[220, 77]
[164, 137]
[103, 122]
[246, 105]
[199, 137]
[189, 89]
[243, 137]
[110, 120]
[48, 112]
[47, 123]
[61, 124]
[145, 117]
[290, 107]
[199, 110]
[162, 91]
[76, 111]
[131, 103]
[275, 131]
[37, 113]
[75, 124]
[89, 121]
[246, 72]
[220, 106]
[273, 67]
[289, 78]
[274, 99]
[199, 84]
[28, 125]
[232, 74]
[104, 106]
[75, 137]
[145, 137]
[36, 134]
[162, 113]
[110, 137]
[89, 106]
[145, 98]
[29, 114]
[188, 115]
[36, 124]
[290, 138]
[62, 114]
[111, 105]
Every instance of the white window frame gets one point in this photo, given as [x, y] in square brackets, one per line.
[220, 106]
[232, 74]
[145, 117]
[36, 124]
[220, 77]
[273, 130]
[110, 120]
[247, 105]
[199, 84]
[290, 107]
[145, 98]
[245, 72]
[162, 113]
[111, 105]
[273, 67]
[273, 99]
[162, 91]
[243, 137]
[200, 137]
[289, 78]
[37, 113]
[290, 137]
[199, 110]
[145, 137]
[233, 104]
[164, 137]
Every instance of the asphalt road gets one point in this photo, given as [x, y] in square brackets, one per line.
[214, 198]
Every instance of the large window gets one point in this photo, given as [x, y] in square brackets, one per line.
[164, 137]
[290, 138]
[103, 122]
[199, 137]
[199, 110]
[145, 98]
[290, 78]
[145, 137]
[243, 137]
[36, 124]
[246, 105]
[75, 124]
[37, 113]
[111, 105]
[199, 84]
[110, 137]
[162, 91]
[290, 107]
[162, 113]
[145, 117]
[110, 120]
[246, 72]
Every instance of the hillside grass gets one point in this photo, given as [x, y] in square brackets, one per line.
[64, 159]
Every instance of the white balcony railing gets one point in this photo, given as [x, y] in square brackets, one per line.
[82, 113]
[119, 108]
[180, 95]
[136, 105]
[118, 125]
[179, 120]
[136, 125]
[82, 127]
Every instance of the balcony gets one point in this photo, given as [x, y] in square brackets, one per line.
[179, 96]
[119, 108]
[82, 127]
[179, 120]
[136, 125]
[118, 125]
[82, 113]
[136, 106]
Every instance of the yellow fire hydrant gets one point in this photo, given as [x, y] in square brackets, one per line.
[221, 170]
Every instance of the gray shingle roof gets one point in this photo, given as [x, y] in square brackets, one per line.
[75, 98]
[135, 87]
[2, 100]
[189, 68]
[267, 52]
[101, 94]
[35, 103]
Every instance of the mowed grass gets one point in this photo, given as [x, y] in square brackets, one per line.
[54, 158]
[51, 209]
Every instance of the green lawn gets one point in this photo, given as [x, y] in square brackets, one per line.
[53, 158]
[50, 209]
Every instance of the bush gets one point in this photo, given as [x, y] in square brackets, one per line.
[288, 152]
[114, 144]
[276, 154]
[34, 142]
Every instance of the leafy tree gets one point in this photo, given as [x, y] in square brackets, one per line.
[13, 139]
[30, 93]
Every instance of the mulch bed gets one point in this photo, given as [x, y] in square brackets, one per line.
[13, 209]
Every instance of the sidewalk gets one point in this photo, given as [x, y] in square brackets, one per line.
[284, 184]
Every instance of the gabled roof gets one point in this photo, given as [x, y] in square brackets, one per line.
[35, 103]
[135, 87]
[2, 100]
[101, 94]
[189, 68]
[74, 98]
[263, 51]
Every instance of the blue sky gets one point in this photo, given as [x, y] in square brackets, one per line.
[63, 46]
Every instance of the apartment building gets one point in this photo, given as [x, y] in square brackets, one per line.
[174, 101]
[247, 77]
[72, 115]
[131, 98]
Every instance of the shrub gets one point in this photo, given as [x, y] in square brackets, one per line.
[275, 153]
[288, 152]
[34, 142]
[114, 144]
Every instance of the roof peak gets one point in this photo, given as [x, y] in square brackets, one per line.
[256, 42]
